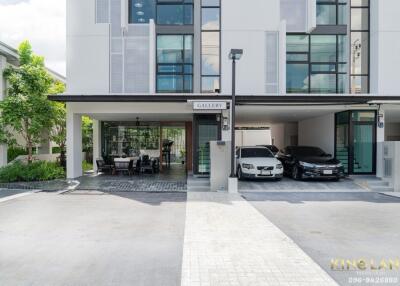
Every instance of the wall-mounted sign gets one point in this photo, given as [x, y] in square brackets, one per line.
[209, 105]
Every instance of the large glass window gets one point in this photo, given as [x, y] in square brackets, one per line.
[210, 46]
[332, 12]
[317, 64]
[175, 63]
[175, 12]
[360, 42]
[141, 11]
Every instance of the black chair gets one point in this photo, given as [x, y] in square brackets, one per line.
[146, 164]
[156, 164]
[102, 166]
[123, 166]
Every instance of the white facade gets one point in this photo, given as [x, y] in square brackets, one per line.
[108, 57]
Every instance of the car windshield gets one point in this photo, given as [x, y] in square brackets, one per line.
[307, 151]
[256, 153]
[273, 148]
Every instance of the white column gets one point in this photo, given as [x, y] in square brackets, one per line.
[74, 144]
[3, 147]
[282, 58]
[96, 142]
[380, 139]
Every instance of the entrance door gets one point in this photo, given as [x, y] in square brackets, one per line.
[363, 148]
[207, 128]
[356, 141]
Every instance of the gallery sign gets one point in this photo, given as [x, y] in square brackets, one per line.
[209, 105]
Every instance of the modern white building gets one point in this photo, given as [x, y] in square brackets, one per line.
[9, 57]
[313, 72]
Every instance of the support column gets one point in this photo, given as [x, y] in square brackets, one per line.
[74, 144]
[3, 147]
[380, 139]
[96, 142]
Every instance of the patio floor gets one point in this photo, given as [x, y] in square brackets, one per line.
[170, 179]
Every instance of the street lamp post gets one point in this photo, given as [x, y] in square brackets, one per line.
[234, 55]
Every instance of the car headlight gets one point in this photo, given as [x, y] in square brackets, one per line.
[248, 166]
[307, 165]
[279, 166]
[340, 165]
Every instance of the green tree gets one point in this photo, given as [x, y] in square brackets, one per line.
[26, 109]
[58, 133]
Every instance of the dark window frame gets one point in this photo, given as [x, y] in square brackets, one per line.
[201, 40]
[310, 63]
[183, 64]
[183, 3]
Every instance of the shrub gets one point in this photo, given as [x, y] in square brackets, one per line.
[36, 171]
[14, 151]
[86, 166]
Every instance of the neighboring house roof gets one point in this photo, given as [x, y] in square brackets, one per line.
[12, 57]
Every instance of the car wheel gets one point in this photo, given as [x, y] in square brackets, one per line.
[239, 174]
[296, 173]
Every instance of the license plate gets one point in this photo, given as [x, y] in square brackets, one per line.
[266, 173]
[328, 172]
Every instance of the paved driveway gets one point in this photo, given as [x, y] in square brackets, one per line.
[290, 185]
[337, 225]
[91, 238]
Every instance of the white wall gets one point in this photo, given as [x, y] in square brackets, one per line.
[244, 27]
[253, 137]
[319, 132]
[87, 49]
[385, 47]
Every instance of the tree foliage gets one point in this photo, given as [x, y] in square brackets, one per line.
[26, 109]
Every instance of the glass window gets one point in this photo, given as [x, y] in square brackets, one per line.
[323, 83]
[297, 78]
[210, 46]
[323, 48]
[297, 57]
[359, 84]
[326, 14]
[169, 83]
[210, 19]
[174, 12]
[174, 63]
[210, 84]
[297, 43]
[213, 3]
[170, 49]
[360, 19]
[359, 53]
[141, 12]
[210, 53]
[358, 3]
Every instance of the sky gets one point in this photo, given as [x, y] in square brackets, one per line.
[42, 22]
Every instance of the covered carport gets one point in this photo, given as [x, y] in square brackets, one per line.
[317, 120]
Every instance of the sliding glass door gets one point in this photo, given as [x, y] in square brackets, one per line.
[207, 128]
[356, 141]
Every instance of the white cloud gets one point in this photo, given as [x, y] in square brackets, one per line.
[42, 22]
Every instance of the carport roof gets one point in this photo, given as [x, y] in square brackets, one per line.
[240, 99]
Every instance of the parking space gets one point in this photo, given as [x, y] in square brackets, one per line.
[290, 185]
[92, 238]
[349, 226]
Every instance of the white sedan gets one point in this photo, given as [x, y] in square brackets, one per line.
[257, 162]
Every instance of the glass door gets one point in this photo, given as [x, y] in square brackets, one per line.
[342, 139]
[207, 129]
[355, 141]
[363, 148]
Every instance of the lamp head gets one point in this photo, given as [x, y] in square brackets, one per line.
[235, 54]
